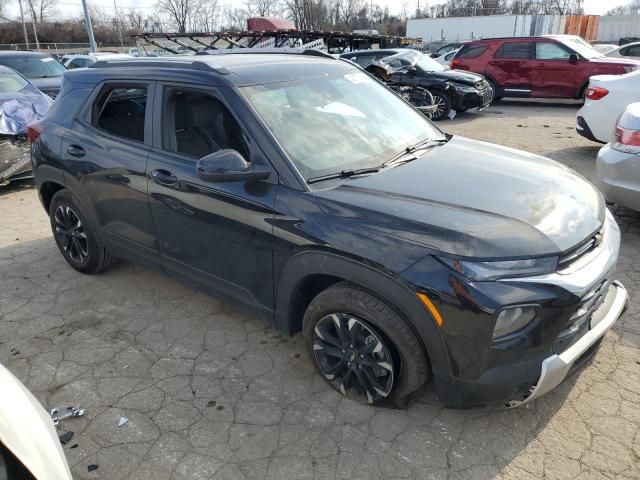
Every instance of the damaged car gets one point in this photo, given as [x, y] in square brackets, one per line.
[451, 89]
[21, 103]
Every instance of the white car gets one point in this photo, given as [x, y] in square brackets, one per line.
[604, 47]
[446, 58]
[28, 440]
[81, 60]
[606, 98]
[630, 50]
[618, 164]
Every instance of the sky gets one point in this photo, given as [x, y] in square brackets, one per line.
[73, 8]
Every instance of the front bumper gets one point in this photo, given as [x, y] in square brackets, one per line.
[556, 367]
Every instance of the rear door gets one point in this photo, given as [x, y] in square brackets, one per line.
[553, 74]
[511, 67]
[105, 159]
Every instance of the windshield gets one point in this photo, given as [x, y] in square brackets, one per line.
[34, 66]
[11, 82]
[580, 46]
[343, 122]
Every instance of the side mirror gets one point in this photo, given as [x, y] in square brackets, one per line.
[573, 58]
[229, 166]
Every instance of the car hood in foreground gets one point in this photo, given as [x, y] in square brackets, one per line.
[474, 199]
[26, 429]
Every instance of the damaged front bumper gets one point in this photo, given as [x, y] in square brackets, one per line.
[15, 161]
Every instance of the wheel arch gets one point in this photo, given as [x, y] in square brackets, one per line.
[308, 273]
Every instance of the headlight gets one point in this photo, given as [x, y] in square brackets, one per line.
[465, 88]
[484, 271]
[512, 319]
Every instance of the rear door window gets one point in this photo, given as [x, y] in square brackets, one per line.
[471, 51]
[632, 51]
[515, 50]
[120, 111]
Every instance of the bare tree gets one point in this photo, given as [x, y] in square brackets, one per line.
[308, 14]
[234, 18]
[264, 8]
[42, 9]
[205, 17]
[178, 13]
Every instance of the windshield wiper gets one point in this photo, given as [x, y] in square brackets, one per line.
[427, 142]
[342, 174]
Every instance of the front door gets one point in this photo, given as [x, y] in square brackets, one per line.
[216, 234]
[106, 154]
[554, 75]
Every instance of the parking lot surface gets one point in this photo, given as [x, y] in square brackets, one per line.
[211, 392]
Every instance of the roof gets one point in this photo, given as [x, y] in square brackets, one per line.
[373, 51]
[224, 69]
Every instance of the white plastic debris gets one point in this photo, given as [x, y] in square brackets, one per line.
[60, 413]
[451, 114]
[122, 421]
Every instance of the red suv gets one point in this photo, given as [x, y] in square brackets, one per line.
[550, 66]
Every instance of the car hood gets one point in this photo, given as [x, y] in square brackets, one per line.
[616, 61]
[48, 84]
[458, 76]
[26, 429]
[474, 199]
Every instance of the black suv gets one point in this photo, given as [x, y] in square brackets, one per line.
[302, 186]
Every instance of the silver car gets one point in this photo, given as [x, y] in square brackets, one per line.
[618, 165]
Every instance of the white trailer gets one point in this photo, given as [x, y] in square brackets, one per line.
[459, 29]
[614, 27]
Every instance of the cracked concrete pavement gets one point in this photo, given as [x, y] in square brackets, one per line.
[211, 392]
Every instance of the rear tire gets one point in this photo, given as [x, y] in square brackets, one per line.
[76, 238]
[363, 348]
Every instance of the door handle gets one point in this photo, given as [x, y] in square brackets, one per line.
[75, 151]
[164, 177]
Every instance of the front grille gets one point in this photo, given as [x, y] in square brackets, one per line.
[576, 253]
[579, 322]
[484, 89]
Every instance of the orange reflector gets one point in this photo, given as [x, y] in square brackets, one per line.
[431, 307]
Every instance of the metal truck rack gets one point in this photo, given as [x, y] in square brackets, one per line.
[333, 42]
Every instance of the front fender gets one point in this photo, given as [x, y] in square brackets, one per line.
[387, 286]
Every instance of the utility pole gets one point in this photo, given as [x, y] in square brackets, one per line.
[119, 24]
[33, 24]
[371, 16]
[24, 26]
[87, 23]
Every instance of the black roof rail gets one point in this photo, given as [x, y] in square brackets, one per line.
[312, 52]
[175, 62]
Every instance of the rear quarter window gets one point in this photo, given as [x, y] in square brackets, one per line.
[471, 51]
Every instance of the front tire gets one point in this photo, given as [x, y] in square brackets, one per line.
[363, 348]
[443, 104]
[76, 239]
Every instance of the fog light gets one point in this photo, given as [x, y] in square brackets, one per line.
[512, 319]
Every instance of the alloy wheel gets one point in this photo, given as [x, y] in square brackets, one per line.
[440, 104]
[353, 357]
[71, 234]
